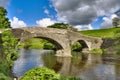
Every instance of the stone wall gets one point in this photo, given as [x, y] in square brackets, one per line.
[107, 42]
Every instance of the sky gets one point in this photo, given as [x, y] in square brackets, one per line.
[81, 14]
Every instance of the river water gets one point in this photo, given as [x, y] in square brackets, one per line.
[87, 67]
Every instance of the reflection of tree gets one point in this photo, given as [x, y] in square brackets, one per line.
[57, 66]
[66, 67]
[76, 59]
[48, 59]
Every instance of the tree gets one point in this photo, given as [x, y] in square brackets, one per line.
[9, 43]
[4, 21]
[59, 25]
[116, 22]
[63, 26]
[9, 54]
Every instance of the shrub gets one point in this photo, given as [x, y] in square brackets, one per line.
[44, 74]
[96, 51]
[76, 46]
[48, 45]
[40, 74]
[4, 77]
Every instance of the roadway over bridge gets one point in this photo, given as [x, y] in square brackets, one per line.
[61, 38]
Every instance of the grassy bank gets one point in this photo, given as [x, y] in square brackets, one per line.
[101, 33]
[36, 43]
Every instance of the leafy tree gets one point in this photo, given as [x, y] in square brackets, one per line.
[4, 21]
[4, 77]
[116, 22]
[59, 25]
[9, 54]
[9, 43]
[63, 26]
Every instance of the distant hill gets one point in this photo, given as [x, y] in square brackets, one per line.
[101, 33]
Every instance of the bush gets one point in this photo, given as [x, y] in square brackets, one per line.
[4, 77]
[48, 45]
[44, 74]
[40, 74]
[96, 51]
[76, 46]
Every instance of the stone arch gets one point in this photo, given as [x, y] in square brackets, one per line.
[23, 35]
[56, 43]
[83, 43]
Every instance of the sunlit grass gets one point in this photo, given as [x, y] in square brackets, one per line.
[102, 33]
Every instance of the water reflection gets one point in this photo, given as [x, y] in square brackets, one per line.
[85, 66]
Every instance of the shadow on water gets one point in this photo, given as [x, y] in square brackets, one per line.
[85, 66]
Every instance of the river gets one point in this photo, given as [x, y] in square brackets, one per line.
[87, 67]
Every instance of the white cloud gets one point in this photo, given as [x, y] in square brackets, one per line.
[4, 3]
[84, 27]
[45, 22]
[16, 23]
[107, 21]
[46, 11]
[84, 12]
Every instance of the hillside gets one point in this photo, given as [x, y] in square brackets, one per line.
[102, 33]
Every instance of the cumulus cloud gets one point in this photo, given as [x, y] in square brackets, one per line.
[4, 3]
[83, 12]
[84, 27]
[107, 21]
[16, 23]
[45, 22]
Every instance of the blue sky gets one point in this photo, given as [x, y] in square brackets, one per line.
[82, 14]
[29, 10]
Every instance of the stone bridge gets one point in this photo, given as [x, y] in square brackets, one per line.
[61, 38]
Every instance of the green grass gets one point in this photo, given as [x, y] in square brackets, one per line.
[36, 43]
[33, 43]
[101, 33]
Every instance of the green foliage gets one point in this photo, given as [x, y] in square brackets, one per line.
[101, 33]
[63, 26]
[9, 43]
[49, 46]
[4, 21]
[9, 54]
[44, 74]
[59, 25]
[96, 51]
[4, 77]
[4, 67]
[40, 74]
[76, 46]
